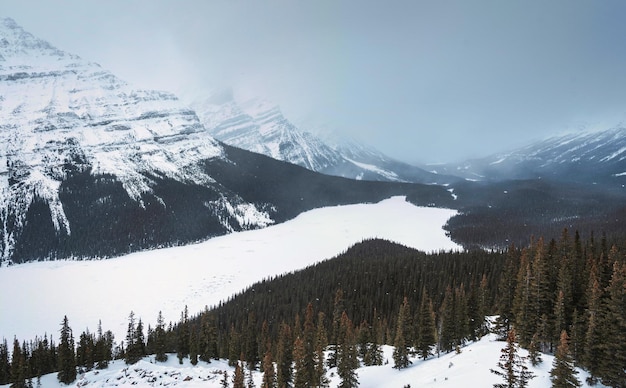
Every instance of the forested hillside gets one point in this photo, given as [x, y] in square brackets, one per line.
[567, 289]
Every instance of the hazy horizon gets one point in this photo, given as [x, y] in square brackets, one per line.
[421, 81]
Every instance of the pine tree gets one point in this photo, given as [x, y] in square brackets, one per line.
[4, 362]
[183, 336]
[447, 325]
[513, 369]
[401, 344]
[614, 328]
[134, 341]
[159, 340]
[269, 374]
[426, 331]
[347, 360]
[239, 377]
[234, 346]
[338, 309]
[300, 378]
[193, 347]
[18, 366]
[66, 354]
[563, 373]
[284, 357]
[308, 337]
[321, 342]
[85, 350]
[250, 343]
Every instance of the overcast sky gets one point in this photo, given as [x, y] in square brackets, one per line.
[423, 81]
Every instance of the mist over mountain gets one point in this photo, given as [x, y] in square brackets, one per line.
[92, 167]
[259, 126]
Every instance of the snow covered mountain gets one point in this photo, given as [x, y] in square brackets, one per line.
[259, 126]
[589, 157]
[62, 117]
[91, 167]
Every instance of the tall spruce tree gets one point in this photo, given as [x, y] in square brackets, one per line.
[563, 374]
[269, 374]
[160, 339]
[426, 330]
[66, 357]
[5, 366]
[347, 360]
[338, 309]
[18, 366]
[512, 366]
[401, 344]
[284, 357]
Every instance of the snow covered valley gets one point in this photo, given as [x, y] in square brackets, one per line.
[201, 274]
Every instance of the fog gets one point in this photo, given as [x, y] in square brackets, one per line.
[423, 81]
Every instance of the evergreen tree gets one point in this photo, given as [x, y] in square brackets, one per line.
[250, 343]
[447, 325]
[66, 354]
[269, 374]
[183, 336]
[563, 373]
[300, 378]
[85, 350]
[321, 342]
[284, 357]
[239, 377]
[193, 347]
[506, 292]
[103, 348]
[426, 331]
[18, 366]
[308, 337]
[347, 360]
[134, 341]
[5, 366]
[513, 369]
[234, 346]
[208, 338]
[160, 339]
[401, 345]
[338, 309]
[614, 328]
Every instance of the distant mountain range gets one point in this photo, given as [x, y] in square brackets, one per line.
[91, 167]
[259, 126]
[589, 157]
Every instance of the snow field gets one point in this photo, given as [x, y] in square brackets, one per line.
[201, 274]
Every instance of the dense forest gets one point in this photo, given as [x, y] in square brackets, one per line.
[565, 296]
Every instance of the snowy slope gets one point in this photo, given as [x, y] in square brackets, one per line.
[468, 369]
[202, 274]
[259, 126]
[587, 157]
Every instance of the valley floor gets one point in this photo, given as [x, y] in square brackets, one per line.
[201, 274]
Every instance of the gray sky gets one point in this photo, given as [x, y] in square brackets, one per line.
[423, 81]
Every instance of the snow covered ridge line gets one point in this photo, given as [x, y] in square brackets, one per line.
[470, 368]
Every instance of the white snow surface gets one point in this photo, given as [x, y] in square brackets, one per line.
[470, 369]
[202, 274]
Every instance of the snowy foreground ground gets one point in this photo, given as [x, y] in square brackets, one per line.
[469, 369]
[34, 297]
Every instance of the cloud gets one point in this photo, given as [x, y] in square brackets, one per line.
[423, 81]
